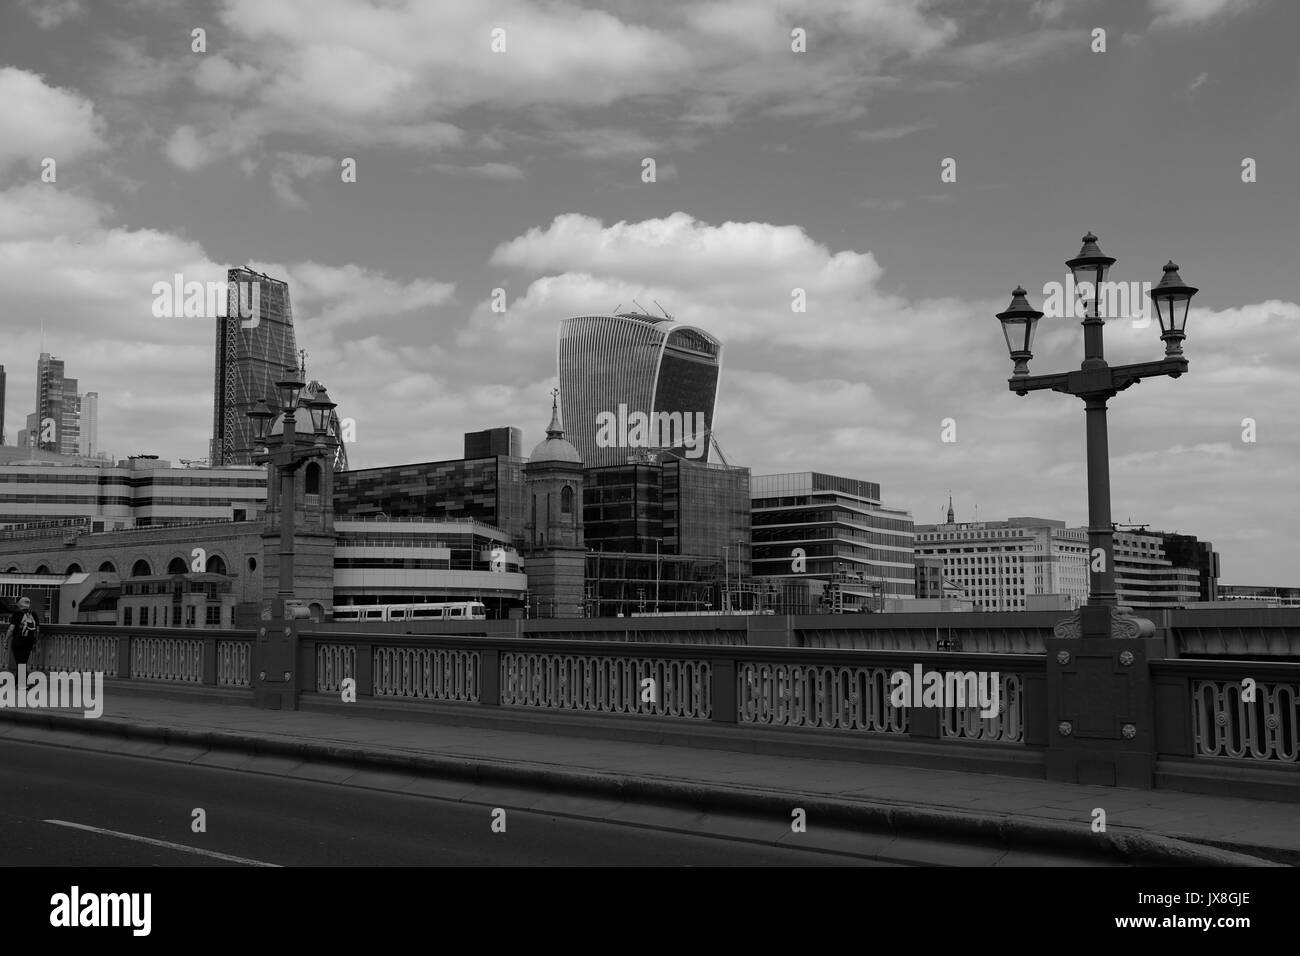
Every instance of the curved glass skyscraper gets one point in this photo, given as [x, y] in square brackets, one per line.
[631, 383]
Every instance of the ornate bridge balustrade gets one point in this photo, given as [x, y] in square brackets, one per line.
[154, 654]
[1230, 710]
[775, 687]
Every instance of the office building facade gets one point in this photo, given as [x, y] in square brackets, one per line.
[89, 437]
[58, 407]
[836, 530]
[488, 490]
[633, 382]
[251, 356]
[135, 493]
[1004, 565]
[671, 536]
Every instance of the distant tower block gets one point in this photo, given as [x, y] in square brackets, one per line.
[249, 361]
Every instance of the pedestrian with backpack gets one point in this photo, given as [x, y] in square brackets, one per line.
[23, 631]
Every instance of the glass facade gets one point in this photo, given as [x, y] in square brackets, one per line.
[648, 364]
[249, 361]
[490, 490]
[679, 528]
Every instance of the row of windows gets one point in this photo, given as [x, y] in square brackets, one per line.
[73, 478]
[824, 516]
[157, 616]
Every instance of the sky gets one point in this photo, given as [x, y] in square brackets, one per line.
[904, 164]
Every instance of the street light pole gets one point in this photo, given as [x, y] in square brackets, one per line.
[1096, 383]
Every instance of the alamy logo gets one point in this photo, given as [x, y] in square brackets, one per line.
[947, 689]
[1118, 300]
[75, 908]
[624, 429]
[208, 300]
[75, 690]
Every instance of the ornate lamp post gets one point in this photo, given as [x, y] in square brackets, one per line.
[1096, 383]
[1100, 695]
[274, 663]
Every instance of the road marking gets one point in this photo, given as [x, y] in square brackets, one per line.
[171, 846]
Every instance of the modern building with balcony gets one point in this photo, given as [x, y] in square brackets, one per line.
[809, 525]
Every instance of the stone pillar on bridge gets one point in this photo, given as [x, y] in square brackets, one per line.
[275, 665]
[1101, 698]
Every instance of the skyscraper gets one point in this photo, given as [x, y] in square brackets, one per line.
[2, 404]
[58, 407]
[89, 424]
[251, 355]
[631, 382]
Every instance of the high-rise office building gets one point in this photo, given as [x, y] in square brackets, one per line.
[2, 404]
[89, 425]
[631, 382]
[252, 353]
[58, 407]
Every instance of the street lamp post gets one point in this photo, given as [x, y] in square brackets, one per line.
[274, 666]
[1096, 382]
[1099, 694]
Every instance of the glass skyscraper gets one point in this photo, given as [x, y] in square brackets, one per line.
[614, 368]
[249, 360]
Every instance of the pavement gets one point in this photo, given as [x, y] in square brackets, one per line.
[968, 818]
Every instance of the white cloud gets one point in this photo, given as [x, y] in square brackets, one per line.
[39, 120]
[186, 150]
[1177, 13]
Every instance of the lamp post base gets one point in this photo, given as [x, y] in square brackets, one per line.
[1101, 699]
[274, 666]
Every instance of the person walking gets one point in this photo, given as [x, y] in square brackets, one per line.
[23, 631]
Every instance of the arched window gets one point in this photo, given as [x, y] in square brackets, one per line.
[108, 568]
[177, 566]
[313, 479]
[216, 564]
[141, 569]
[73, 568]
[42, 569]
[252, 564]
[566, 500]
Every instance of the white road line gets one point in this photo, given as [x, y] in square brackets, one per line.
[171, 846]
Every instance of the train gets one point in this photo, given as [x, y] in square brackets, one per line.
[448, 611]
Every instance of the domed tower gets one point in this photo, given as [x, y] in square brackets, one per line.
[555, 550]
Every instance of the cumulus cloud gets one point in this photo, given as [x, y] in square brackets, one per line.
[39, 120]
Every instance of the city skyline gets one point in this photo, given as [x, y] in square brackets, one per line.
[775, 174]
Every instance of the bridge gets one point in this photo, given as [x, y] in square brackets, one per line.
[1210, 704]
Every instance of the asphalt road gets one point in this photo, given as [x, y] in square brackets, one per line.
[63, 807]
